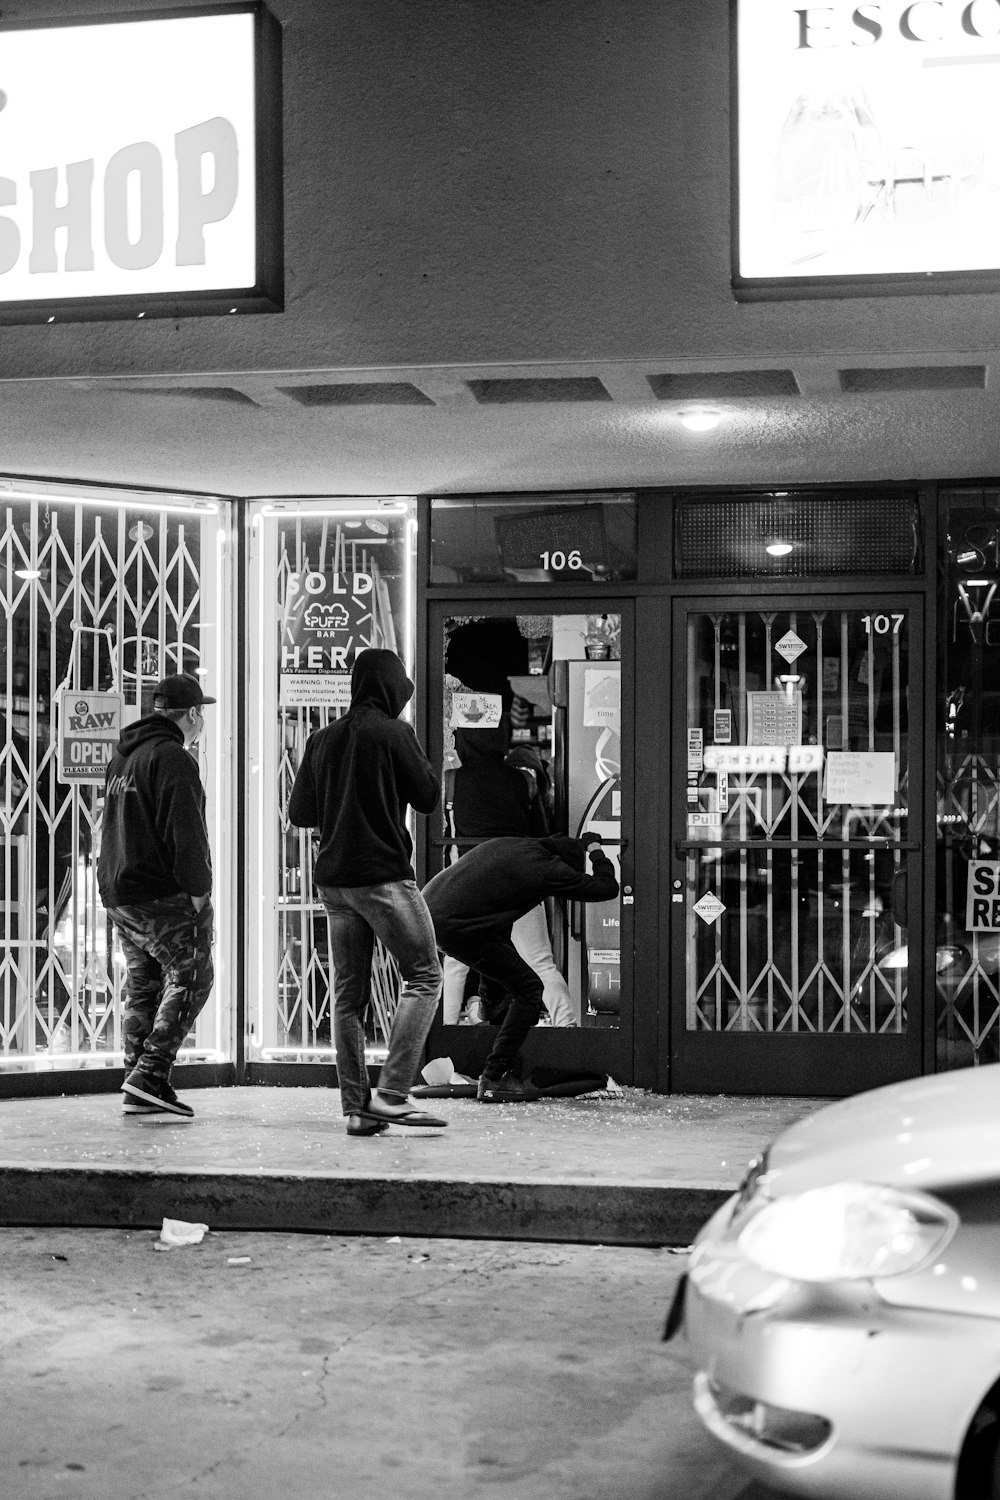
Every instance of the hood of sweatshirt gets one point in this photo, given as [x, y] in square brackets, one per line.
[379, 680]
[570, 851]
[152, 727]
[476, 747]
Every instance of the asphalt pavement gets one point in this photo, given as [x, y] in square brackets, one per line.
[251, 1365]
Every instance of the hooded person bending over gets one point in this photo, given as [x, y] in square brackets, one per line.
[354, 784]
[475, 903]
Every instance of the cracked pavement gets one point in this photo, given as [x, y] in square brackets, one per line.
[343, 1366]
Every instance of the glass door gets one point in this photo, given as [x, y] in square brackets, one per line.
[529, 720]
[795, 866]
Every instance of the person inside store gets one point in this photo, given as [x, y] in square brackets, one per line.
[498, 792]
[357, 777]
[474, 904]
[154, 873]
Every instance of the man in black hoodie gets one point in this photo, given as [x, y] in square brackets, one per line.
[475, 902]
[155, 878]
[357, 777]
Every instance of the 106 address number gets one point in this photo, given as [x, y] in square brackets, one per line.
[557, 562]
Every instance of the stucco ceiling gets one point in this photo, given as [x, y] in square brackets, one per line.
[791, 420]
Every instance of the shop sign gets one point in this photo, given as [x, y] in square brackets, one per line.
[327, 618]
[867, 142]
[90, 725]
[138, 165]
[797, 760]
[476, 710]
[330, 690]
[982, 902]
[709, 908]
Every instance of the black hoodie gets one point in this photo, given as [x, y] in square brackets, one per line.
[486, 891]
[357, 777]
[492, 799]
[154, 841]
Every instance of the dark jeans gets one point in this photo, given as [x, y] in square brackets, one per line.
[396, 913]
[168, 952]
[511, 990]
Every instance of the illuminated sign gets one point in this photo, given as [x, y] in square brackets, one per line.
[868, 144]
[140, 167]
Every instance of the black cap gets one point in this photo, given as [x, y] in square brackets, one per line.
[183, 690]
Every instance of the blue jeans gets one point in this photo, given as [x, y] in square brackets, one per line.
[396, 914]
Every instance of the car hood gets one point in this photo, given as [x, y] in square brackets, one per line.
[926, 1133]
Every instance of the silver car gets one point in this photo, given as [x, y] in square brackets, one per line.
[843, 1308]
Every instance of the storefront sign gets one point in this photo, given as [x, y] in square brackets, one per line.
[722, 726]
[133, 164]
[798, 760]
[315, 690]
[328, 617]
[476, 710]
[90, 725]
[865, 778]
[709, 908]
[868, 143]
[774, 718]
[982, 902]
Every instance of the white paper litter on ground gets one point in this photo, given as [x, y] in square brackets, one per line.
[180, 1232]
[438, 1071]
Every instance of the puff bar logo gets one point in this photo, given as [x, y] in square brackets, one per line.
[63, 198]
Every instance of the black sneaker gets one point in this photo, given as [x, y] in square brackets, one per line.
[133, 1106]
[506, 1090]
[157, 1092]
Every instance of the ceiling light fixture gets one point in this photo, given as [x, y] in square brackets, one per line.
[778, 549]
[700, 419]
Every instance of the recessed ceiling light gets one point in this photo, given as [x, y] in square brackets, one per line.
[778, 549]
[700, 419]
[27, 572]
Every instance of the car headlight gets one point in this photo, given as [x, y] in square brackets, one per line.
[847, 1232]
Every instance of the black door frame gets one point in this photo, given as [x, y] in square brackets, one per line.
[792, 1063]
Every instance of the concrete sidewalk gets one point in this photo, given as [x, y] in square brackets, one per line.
[632, 1169]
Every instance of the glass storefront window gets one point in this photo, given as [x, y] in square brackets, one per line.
[328, 579]
[585, 538]
[967, 957]
[102, 594]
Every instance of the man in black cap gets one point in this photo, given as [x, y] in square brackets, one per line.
[475, 902]
[155, 878]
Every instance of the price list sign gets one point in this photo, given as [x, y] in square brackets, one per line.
[774, 718]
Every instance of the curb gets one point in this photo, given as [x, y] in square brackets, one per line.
[580, 1213]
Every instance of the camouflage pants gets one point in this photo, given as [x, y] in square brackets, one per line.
[168, 951]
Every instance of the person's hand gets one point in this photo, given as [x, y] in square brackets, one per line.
[590, 838]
